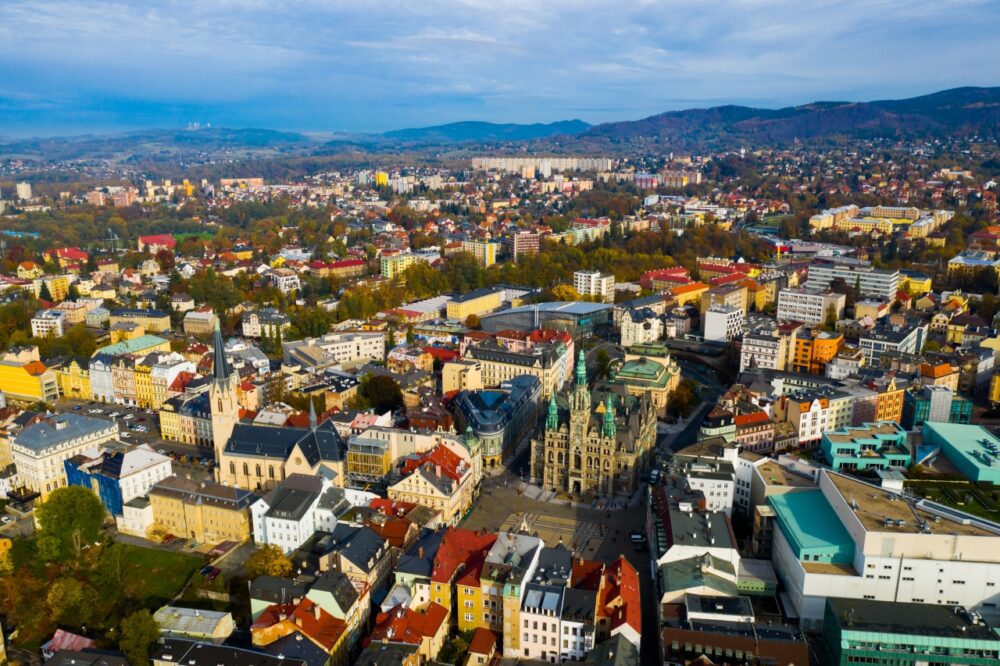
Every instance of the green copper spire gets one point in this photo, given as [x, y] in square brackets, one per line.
[552, 420]
[581, 369]
[608, 427]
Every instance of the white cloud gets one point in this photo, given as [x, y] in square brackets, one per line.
[511, 59]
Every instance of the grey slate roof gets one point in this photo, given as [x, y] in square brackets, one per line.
[59, 429]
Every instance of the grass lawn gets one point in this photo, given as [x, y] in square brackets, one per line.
[153, 574]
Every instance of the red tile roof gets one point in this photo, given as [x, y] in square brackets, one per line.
[166, 240]
[404, 625]
[619, 598]
[459, 547]
[752, 418]
[442, 458]
[483, 641]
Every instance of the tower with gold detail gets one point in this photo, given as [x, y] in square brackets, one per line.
[223, 401]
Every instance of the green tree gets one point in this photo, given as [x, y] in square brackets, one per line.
[267, 561]
[44, 293]
[139, 632]
[69, 519]
[603, 361]
[69, 601]
[830, 322]
[987, 307]
[378, 392]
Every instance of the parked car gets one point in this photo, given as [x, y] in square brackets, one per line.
[77, 408]
[129, 417]
[214, 573]
[167, 539]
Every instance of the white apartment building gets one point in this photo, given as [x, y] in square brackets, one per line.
[592, 283]
[257, 323]
[48, 322]
[716, 479]
[23, 191]
[335, 349]
[556, 625]
[285, 279]
[40, 449]
[872, 281]
[639, 327]
[291, 513]
[765, 349]
[723, 323]
[877, 545]
[809, 306]
[138, 469]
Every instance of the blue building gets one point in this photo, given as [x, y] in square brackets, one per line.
[117, 475]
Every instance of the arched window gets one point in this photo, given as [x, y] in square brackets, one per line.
[232, 468]
[246, 470]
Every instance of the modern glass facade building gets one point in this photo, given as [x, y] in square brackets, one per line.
[576, 318]
[862, 631]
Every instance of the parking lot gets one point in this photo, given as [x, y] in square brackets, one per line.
[138, 426]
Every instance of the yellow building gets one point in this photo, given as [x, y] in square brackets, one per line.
[28, 379]
[205, 512]
[477, 302]
[485, 251]
[126, 330]
[734, 295]
[381, 178]
[29, 270]
[915, 283]
[40, 449]
[368, 460]
[145, 395]
[461, 375]
[394, 266]
[689, 293]
[154, 321]
[441, 480]
[58, 287]
[74, 380]
[995, 389]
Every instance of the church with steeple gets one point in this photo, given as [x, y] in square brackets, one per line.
[259, 457]
[595, 442]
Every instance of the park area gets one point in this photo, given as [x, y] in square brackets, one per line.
[72, 576]
[105, 584]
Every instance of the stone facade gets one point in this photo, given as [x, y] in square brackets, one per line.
[594, 442]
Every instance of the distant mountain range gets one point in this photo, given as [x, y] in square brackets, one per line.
[480, 131]
[949, 112]
[959, 111]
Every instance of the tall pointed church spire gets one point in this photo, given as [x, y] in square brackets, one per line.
[220, 368]
[608, 428]
[312, 415]
[581, 369]
[552, 419]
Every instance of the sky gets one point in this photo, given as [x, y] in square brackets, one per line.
[74, 66]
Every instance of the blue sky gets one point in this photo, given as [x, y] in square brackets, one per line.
[69, 66]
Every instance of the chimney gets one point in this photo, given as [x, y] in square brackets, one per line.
[420, 553]
[316, 611]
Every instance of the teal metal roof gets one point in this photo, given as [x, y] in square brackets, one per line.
[138, 344]
[811, 527]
